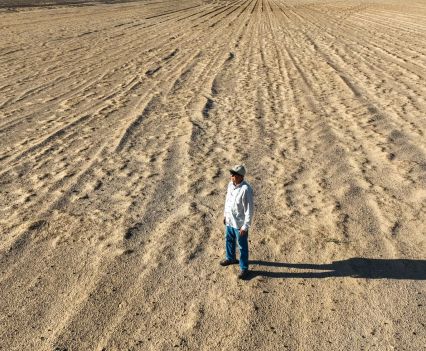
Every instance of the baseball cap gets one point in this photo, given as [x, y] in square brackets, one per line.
[238, 169]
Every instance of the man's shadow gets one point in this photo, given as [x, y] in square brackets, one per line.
[355, 267]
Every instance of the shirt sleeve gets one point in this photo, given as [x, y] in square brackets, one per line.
[248, 209]
[226, 200]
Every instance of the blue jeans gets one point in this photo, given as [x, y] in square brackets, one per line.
[232, 235]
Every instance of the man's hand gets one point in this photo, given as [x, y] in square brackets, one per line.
[243, 232]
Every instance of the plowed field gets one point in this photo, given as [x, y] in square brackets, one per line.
[118, 124]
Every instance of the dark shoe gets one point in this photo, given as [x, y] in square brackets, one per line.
[243, 274]
[228, 262]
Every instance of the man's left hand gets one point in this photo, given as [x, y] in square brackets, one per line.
[243, 232]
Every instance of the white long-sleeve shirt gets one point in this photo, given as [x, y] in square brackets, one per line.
[239, 205]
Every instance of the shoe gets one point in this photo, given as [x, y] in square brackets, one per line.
[226, 262]
[243, 274]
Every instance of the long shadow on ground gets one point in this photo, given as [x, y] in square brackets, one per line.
[353, 267]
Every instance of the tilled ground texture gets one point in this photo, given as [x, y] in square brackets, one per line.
[118, 123]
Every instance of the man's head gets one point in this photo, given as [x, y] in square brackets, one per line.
[237, 174]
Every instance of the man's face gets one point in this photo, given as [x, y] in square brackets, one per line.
[236, 178]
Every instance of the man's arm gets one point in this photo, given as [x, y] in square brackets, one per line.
[248, 210]
[224, 207]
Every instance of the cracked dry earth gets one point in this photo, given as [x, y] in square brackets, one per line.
[118, 123]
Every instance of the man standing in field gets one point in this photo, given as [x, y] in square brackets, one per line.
[238, 215]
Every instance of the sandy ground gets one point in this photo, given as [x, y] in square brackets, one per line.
[118, 123]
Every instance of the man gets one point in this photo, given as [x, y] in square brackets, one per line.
[238, 215]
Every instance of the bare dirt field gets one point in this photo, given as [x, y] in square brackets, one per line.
[118, 124]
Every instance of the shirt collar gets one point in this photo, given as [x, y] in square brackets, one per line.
[239, 185]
